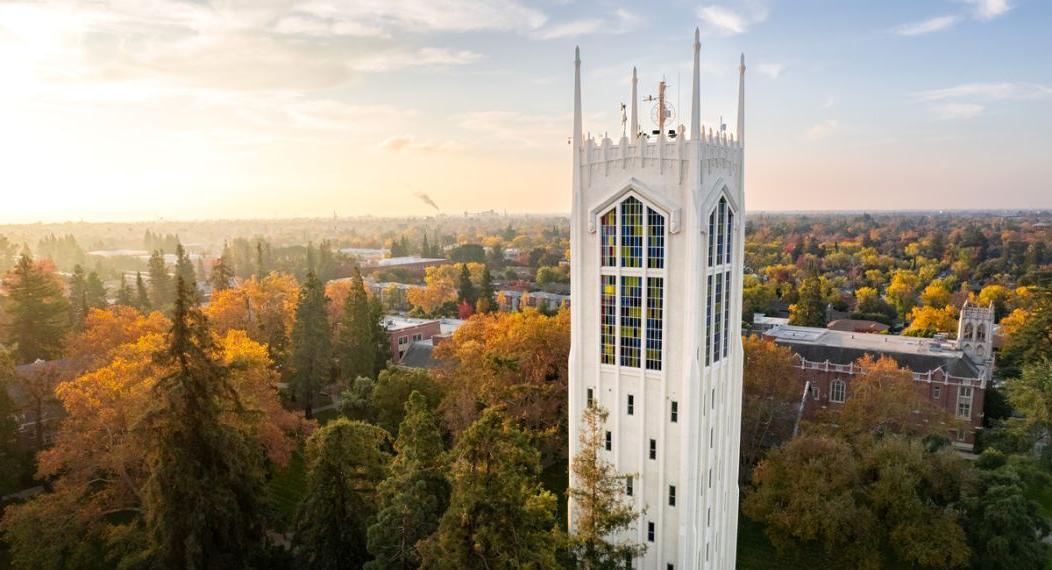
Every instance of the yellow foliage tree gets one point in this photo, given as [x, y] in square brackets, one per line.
[926, 321]
[441, 286]
[107, 329]
[264, 308]
[935, 295]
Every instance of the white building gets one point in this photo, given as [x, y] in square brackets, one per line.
[656, 241]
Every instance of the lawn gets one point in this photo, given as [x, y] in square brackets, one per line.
[288, 487]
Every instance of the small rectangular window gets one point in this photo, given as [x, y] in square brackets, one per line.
[628, 486]
[653, 449]
[671, 495]
[628, 561]
[670, 566]
[936, 391]
[609, 441]
[631, 404]
[591, 397]
[675, 412]
[650, 531]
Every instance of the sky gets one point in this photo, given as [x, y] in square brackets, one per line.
[191, 109]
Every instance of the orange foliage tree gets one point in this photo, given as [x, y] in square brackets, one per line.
[264, 308]
[770, 398]
[107, 329]
[441, 281]
[518, 360]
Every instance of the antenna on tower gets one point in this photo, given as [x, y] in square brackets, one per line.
[624, 121]
[662, 112]
[723, 126]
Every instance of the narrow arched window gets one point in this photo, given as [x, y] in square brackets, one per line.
[837, 391]
[980, 333]
[719, 287]
[967, 330]
[632, 245]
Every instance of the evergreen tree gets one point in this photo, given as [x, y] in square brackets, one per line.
[10, 454]
[261, 264]
[465, 289]
[78, 297]
[425, 248]
[125, 296]
[184, 269]
[202, 502]
[311, 360]
[361, 334]
[95, 292]
[598, 499]
[415, 493]
[222, 272]
[499, 515]
[487, 298]
[345, 462]
[142, 295]
[326, 262]
[809, 309]
[161, 291]
[36, 310]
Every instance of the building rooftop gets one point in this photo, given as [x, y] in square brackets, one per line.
[408, 260]
[419, 355]
[398, 322]
[842, 347]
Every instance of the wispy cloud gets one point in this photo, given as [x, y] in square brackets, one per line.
[823, 130]
[520, 128]
[989, 9]
[409, 142]
[951, 111]
[428, 56]
[926, 26]
[725, 21]
[620, 22]
[988, 91]
[772, 70]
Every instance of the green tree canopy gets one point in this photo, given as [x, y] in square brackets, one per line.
[37, 312]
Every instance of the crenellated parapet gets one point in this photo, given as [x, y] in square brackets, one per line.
[666, 158]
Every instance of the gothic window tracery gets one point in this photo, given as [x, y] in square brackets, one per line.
[719, 291]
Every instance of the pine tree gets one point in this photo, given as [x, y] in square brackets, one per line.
[202, 501]
[499, 515]
[124, 294]
[359, 347]
[326, 262]
[425, 248]
[10, 452]
[487, 300]
[345, 462]
[161, 291]
[142, 295]
[597, 496]
[415, 493]
[95, 292]
[184, 268]
[78, 297]
[465, 289]
[261, 265]
[222, 272]
[311, 360]
[37, 312]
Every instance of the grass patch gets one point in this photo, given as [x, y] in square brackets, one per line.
[287, 488]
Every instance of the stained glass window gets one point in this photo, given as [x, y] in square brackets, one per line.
[655, 240]
[631, 233]
[712, 235]
[608, 238]
[631, 319]
[717, 310]
[708, 322]
[608, 309]
[726, 309]
[721, 231]
[655, 292]
[730, 235]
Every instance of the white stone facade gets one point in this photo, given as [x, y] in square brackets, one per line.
[668, 364]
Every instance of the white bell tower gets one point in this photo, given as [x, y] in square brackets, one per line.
[657, 228]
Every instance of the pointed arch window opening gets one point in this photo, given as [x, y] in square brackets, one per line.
[632, 285]
[719, 282]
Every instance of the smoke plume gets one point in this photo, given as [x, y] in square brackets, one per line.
[427, 200]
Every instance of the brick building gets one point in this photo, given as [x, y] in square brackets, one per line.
[952, 374]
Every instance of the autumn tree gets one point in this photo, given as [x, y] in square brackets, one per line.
[882, 399]
[311, 359]
[36, 311]
[770, 398]
[499, 515]
[598, 500]
[362, 347]
[518, 360]
[439, 296]
[345, 463]
[104, 331]
[195, 458]
[902, 291]
[809, 309]
[415, 493]
[926, 321]
[1029, 341]
[264, 308]
[886, 503]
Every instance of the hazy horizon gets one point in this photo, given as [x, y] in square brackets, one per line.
[136, 111]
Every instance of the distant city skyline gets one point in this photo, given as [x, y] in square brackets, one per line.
[117, 110]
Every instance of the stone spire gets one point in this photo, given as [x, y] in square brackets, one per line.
[741, 103]
[695, 102]
[577, 132]
[635, 109]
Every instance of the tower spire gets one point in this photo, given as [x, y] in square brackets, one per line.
[695, 104]
[741, 103]
[635, 110]
[577, 133]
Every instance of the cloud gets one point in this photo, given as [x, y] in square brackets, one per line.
[520, 128]
[351, 18]
[951, 111]
[989, 91]
[328, 114]
[823, 129]
[724, 21]
[986, 10]
[622, 21]
[926, 26]
[772, 70]
[428, 56]
[399, 143]
[830, 102]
